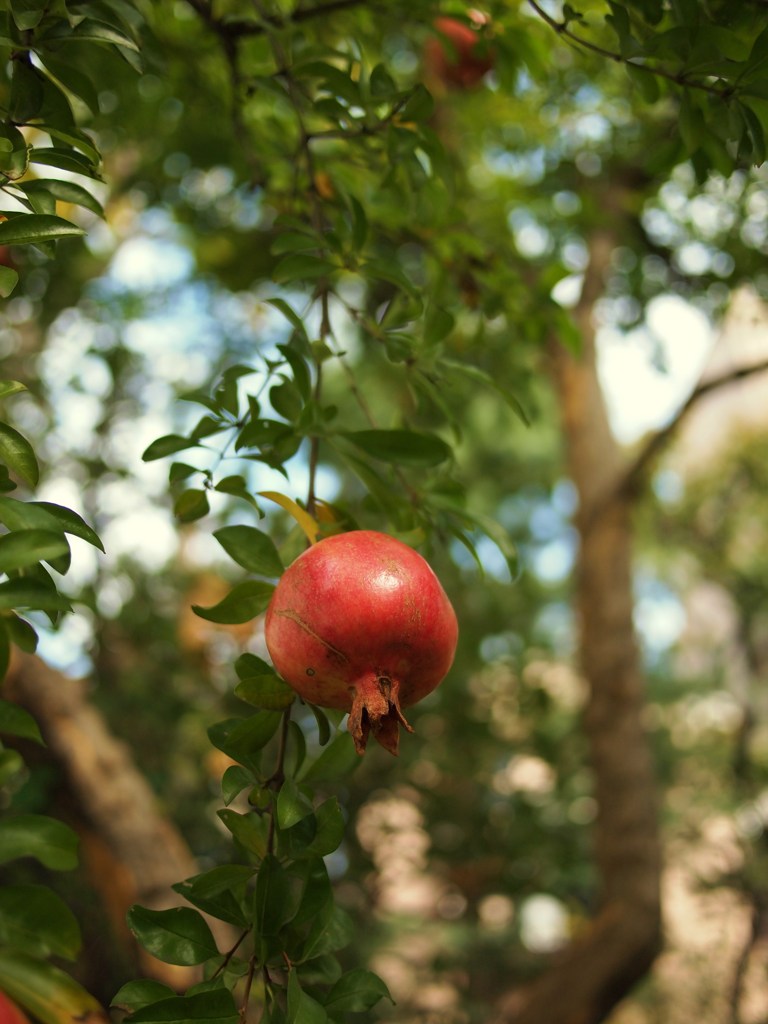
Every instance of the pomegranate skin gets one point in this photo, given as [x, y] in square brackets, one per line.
[361, 623]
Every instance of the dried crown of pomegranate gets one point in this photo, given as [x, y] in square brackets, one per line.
[360, 622]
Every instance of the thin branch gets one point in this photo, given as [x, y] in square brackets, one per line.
[634, 474]
[681, 79]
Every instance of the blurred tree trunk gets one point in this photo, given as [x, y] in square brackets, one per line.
[132, 852]
[597, 970]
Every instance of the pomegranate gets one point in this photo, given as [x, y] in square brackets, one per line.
[10, 1013]
[360, 622]
[455, 56]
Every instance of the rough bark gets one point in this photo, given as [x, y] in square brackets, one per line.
[133, 852]
[598, 970]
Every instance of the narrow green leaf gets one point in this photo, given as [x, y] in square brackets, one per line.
[16, 451]
[176, 936]
[402, 447]
[16, 721]
[250, 548]
[220, 892]
[36, 227]
[34, 835]
[243, 603]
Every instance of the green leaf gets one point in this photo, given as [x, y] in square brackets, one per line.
[16, 721]
[89, 30]
[219, 892]
[16, 451]
[176, 936]
[328, 936]
[357, 991]
[243, 738]
[21, 633]
[330, 828]
[65, 159]
[234, 780]
[9, 278]
[27, 547]
[291, 316]
[36, 227]
[338, 759]
[248, 829]
[243, 603]
[135, 995]
[302, 1008]
[70, 522]
[301, 267]
[29, 593]
[10, 387]
[27, 14]
[191, 504]
[272, 905]
[33, 919]
[47, 993]
[402, 447]
[33, 835]
[66, 191]
[250, 548]
[167, 445]
[292, 804]
[214, 1007]
[267, 691]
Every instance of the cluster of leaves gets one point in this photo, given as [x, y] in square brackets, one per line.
[46, 93]
[35, 923]
[714, 64]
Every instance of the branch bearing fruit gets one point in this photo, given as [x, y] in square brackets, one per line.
[360, 622]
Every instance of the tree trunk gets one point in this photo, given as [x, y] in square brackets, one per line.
[133, 853]
[598, 970]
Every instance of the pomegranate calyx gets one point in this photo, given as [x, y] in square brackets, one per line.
[376, 711]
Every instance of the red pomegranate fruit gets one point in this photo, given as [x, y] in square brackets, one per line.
[360, 622]
[456, 55]
[10, 1013]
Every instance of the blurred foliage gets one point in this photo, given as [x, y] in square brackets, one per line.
[420, 250]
